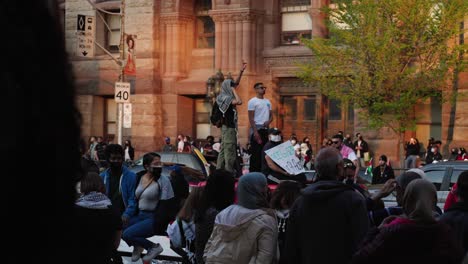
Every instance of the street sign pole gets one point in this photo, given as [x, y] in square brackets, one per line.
[122, 65]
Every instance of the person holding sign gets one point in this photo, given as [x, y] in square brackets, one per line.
[273, 170]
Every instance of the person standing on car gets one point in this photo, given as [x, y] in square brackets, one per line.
[327, 214]
[227, 101]
[260, 118]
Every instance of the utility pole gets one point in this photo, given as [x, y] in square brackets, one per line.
[122, 65]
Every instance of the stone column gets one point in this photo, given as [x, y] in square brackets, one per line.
[225, 43]
[176, 48]
[253, 46]
[238, 47]
[246, 43]
[319, 28]
[218, 42]
[169, 50]
[232, 44]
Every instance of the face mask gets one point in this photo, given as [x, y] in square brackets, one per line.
[275, 138]
[432, 150]
[156, 171]
[293, 142]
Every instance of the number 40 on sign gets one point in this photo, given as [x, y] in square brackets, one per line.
[122, 92]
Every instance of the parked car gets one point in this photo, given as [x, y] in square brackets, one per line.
[442, 174]
[192, 167]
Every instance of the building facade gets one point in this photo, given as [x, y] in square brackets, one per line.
[180, 44]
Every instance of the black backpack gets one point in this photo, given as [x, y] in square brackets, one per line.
[216, 117]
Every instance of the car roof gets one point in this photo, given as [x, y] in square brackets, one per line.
[174, 157]
[457, 164]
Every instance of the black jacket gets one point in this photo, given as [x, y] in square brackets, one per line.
[410, 243]
[131, 152]
[364, 146]
[326, 224]
[378, 177]
[457, 217]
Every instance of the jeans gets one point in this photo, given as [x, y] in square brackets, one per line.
[139, 228]
[256, 150]
[410, 161]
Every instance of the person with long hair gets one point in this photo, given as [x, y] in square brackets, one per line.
[100, 225]
[282, 200]
[218, 194]
[245, 232]
[151, 189]
[414, 237]
[129, 150]
[182, 231]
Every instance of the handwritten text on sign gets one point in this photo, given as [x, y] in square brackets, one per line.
[284, 156]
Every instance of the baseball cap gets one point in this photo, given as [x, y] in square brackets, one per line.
[274, 131]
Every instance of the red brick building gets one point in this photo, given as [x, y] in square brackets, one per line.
[181, 43]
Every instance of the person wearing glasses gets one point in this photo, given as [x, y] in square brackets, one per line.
[260, 118]
[346, 152]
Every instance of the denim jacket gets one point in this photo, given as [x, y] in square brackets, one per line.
[127, 187]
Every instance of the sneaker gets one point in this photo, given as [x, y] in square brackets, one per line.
[136, 253]
[153, 252]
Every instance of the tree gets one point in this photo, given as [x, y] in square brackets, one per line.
[386, 56]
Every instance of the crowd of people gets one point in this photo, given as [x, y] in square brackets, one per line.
[415, 154]
[329, 221]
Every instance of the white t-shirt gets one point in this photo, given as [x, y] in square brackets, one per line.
[180, 146]
[262, 108]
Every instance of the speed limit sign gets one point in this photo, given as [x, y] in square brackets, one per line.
[122, 92]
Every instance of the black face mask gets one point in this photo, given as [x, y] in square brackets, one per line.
[115, 165]
[156, 172]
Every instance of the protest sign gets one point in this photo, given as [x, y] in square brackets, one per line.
[284, 156]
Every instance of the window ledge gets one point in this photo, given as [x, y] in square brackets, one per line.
[109, 5]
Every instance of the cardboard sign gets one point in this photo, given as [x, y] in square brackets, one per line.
[284, 156]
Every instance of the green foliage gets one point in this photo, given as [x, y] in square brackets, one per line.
[385, 56]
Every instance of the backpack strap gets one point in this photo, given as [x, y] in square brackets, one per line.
[182, 233]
